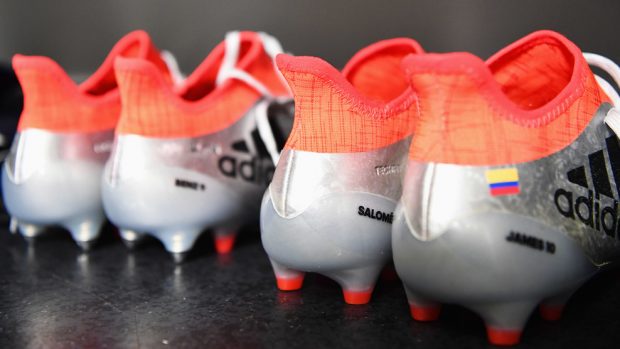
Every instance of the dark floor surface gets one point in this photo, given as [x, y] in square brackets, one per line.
[54, 296]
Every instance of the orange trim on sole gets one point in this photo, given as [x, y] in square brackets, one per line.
[224, 243]
[290, 284]
[357, 297]
[503, 337]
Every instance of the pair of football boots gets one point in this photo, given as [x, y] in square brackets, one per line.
[493, 185]
[155, 155]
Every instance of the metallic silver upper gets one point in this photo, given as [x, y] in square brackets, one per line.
[231, 156]
[34, 149]
[436, 194]
[302, 177]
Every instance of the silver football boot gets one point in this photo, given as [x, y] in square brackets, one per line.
[499, 240]
[329, 210]
[332, 214]
[174, 188]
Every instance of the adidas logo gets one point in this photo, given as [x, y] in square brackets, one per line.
[590, 210]
[258, 169]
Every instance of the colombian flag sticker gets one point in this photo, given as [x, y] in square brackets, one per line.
[503, 181]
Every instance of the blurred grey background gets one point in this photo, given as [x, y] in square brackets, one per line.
[79, 33]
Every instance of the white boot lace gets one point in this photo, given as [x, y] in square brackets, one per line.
[173, 67]
[228, 70]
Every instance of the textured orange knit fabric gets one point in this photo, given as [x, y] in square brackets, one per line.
[529, 101]
[368, 106]
[52, 101]
[151, 108]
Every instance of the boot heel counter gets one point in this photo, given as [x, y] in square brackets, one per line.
[31, 151]
[434, 195]
[302, 177]
[279, 189]
[11, 166]
[416, 199]
[129, 158]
